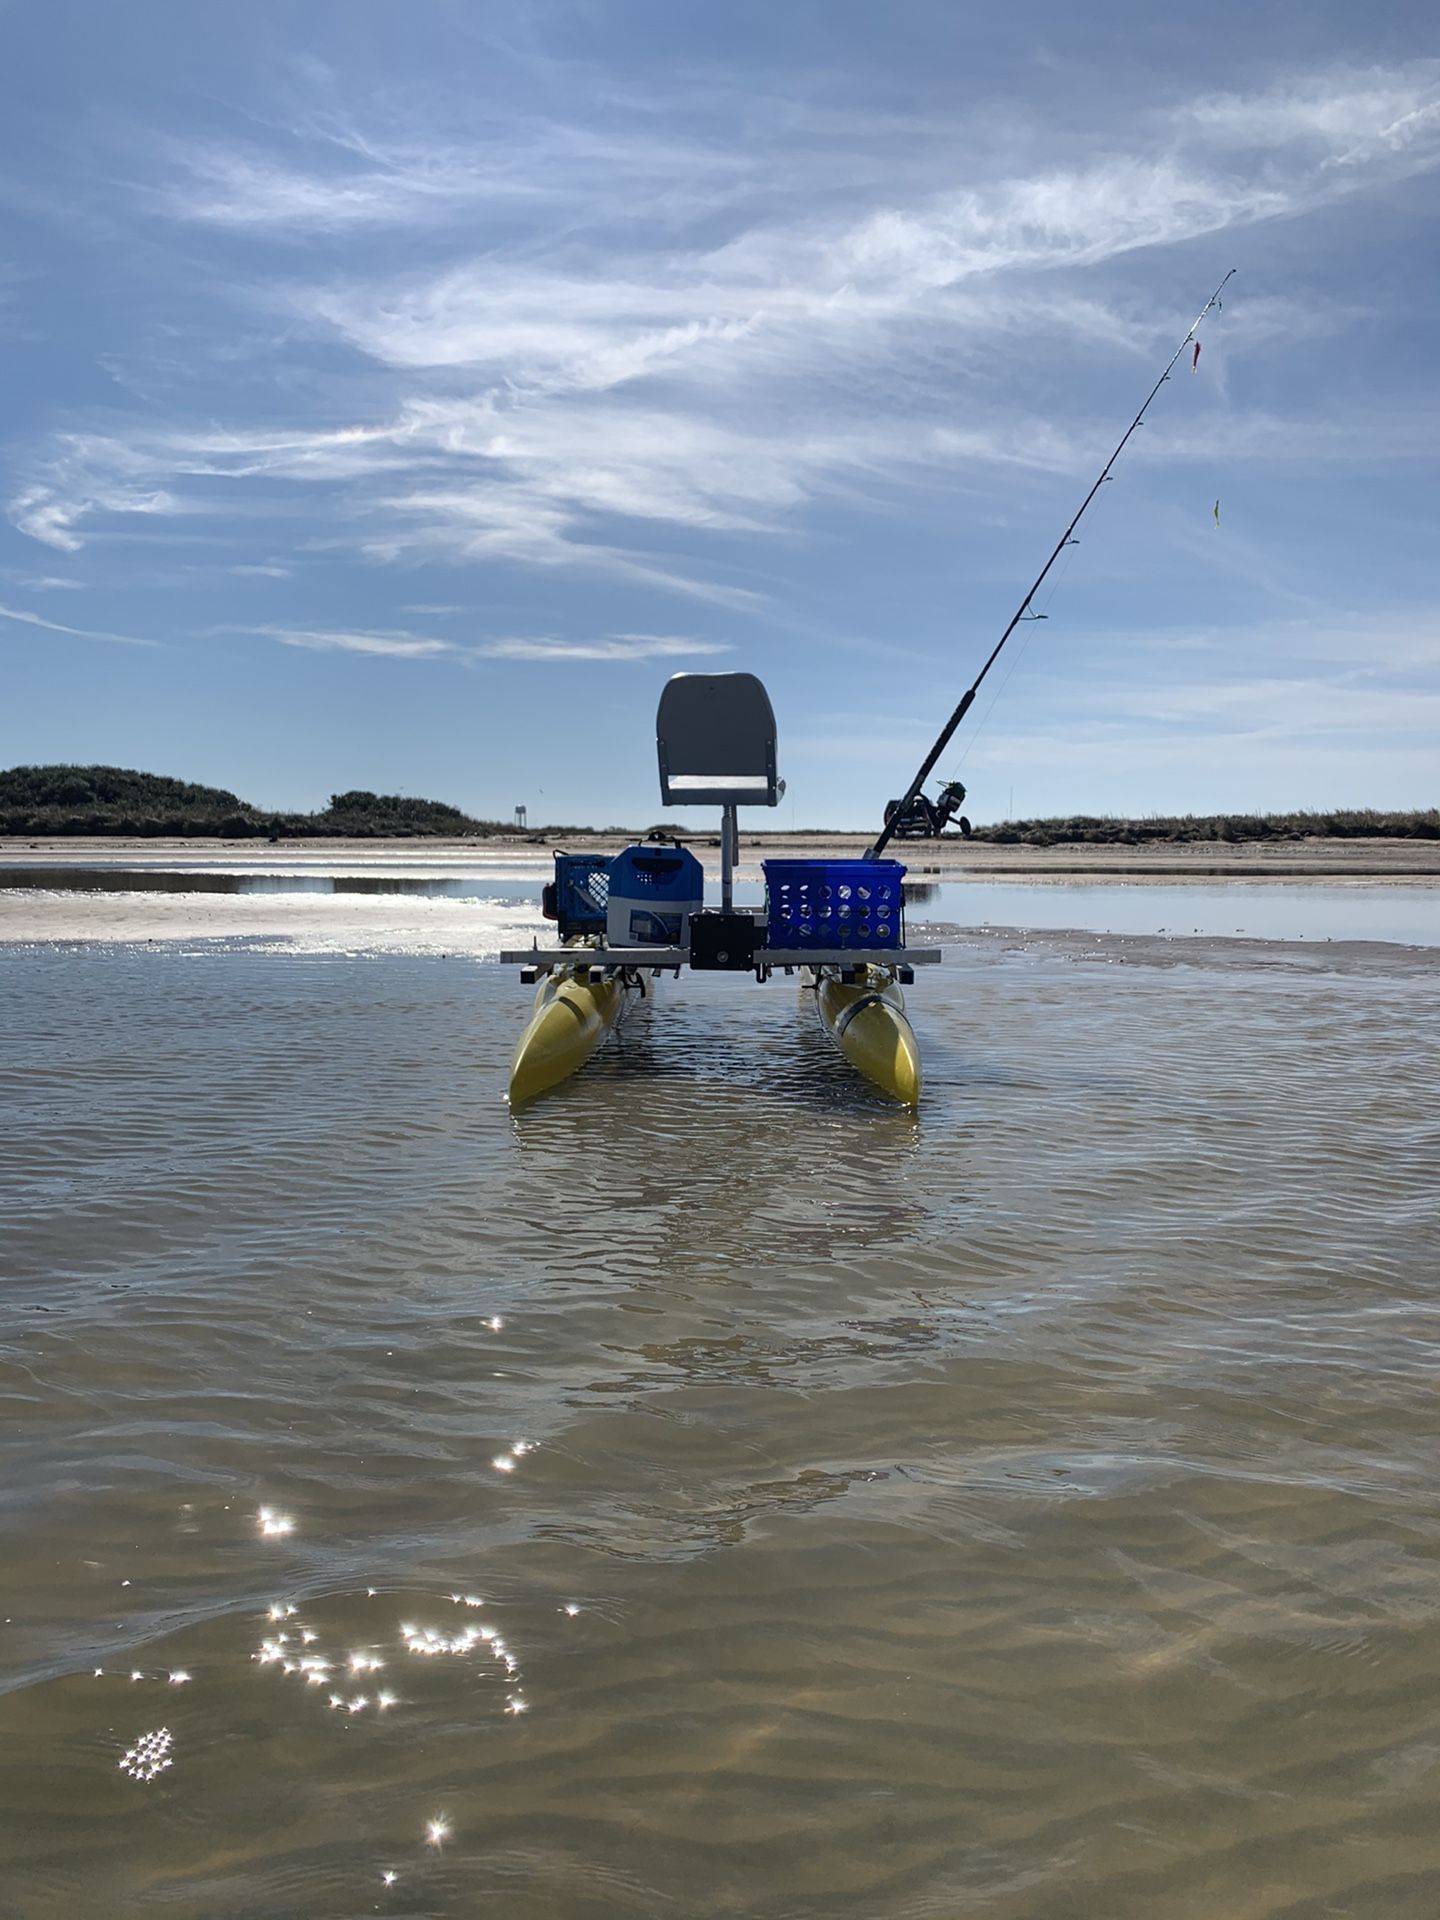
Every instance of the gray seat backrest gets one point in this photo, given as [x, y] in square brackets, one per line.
[716, 737]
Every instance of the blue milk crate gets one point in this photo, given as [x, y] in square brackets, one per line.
[582, 892]
[835, 903]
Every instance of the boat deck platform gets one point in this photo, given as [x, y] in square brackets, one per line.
[671, 959]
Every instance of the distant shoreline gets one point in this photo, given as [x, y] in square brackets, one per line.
[1388, 861]
[69, 804]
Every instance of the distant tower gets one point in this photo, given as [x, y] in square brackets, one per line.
[520, 816]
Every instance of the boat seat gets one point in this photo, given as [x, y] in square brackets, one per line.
[716, 738]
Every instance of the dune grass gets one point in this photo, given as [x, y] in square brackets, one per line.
[1354, 823]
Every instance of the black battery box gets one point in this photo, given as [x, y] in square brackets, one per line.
[725, 942]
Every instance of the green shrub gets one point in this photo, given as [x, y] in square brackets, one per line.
[114, 800]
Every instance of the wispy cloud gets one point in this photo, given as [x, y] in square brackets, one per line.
[413, 646]
[571, 323]
[404, 646]
[1344, 118]
[692, 354]
[42, 582]
[27, 619]
[623, 646]
[50, 512]
[336, 176]
[226, 188]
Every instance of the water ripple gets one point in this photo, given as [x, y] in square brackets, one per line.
[759, 1500]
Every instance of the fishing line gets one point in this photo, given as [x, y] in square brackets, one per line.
[901, 809]
[1066, 561]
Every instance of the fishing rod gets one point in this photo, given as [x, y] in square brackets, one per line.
[898, 812]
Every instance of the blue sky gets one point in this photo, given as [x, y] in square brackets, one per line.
[395, 395]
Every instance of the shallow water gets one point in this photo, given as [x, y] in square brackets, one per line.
[1028, 1508]
[1251, 910]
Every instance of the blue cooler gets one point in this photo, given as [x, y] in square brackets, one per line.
[653, 892]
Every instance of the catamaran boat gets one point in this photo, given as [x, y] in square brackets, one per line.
[622, 923]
